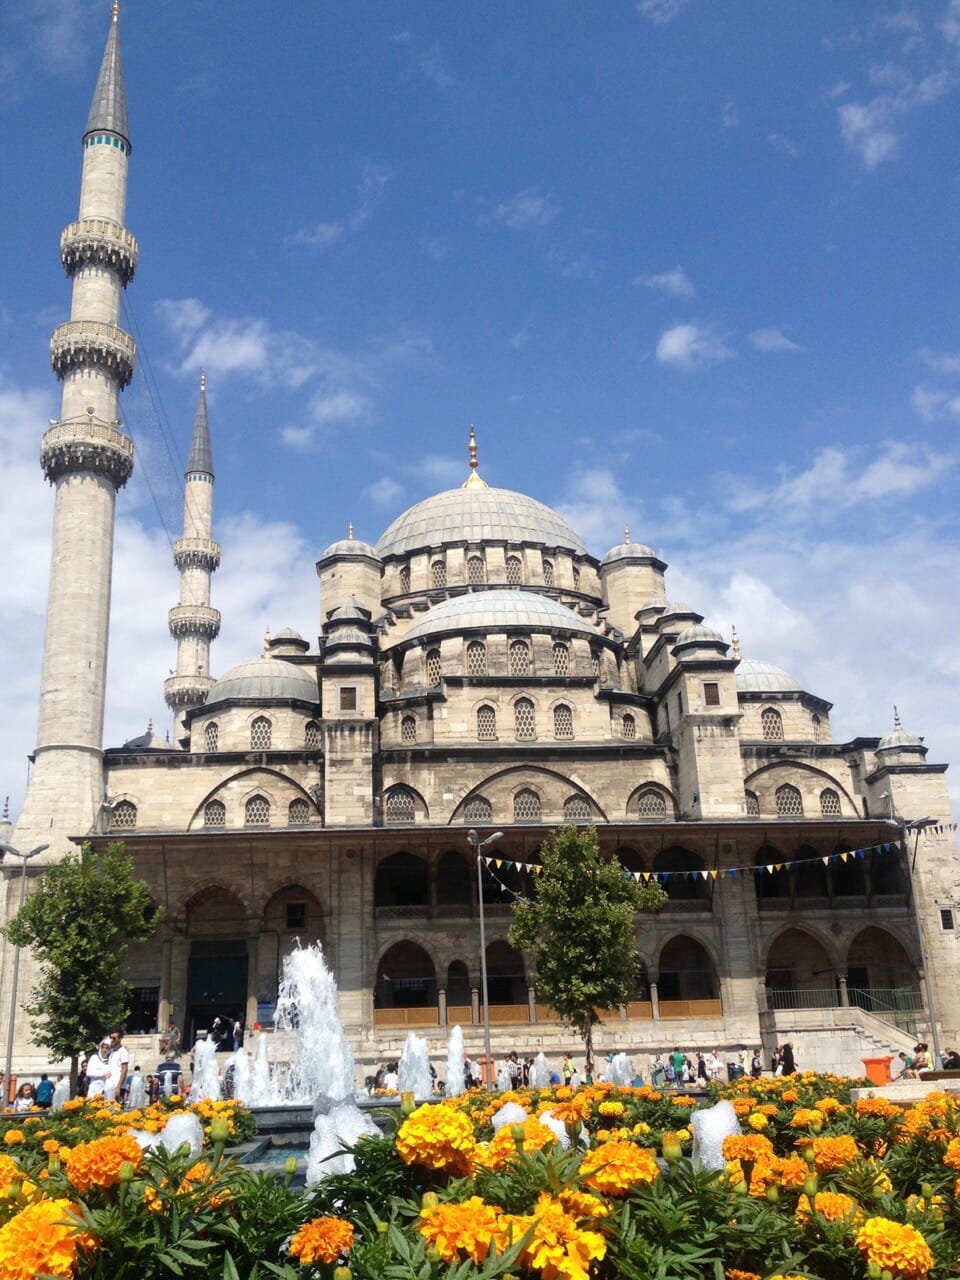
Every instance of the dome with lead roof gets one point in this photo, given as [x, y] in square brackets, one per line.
[496, 611]
[265, 680]
[629, 551]
[348, 547]
[700, 634]
[763, 677]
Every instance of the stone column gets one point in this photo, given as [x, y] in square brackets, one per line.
[253, 970]
[532, 1003]
[475, 1005]
[844, 993]
[442, 1005]
[654, 1002]
[165, 1005]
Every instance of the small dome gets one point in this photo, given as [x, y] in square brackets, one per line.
[149, 741]
[629, 551]
[700, 634]
[349, 547]
[677, 608]
[348, 636]
[497, 610]
[266, 680]
[288, 633]
[900, 740]
[349, 610]
[763, 677]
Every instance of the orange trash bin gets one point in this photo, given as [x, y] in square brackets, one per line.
[878, 1069]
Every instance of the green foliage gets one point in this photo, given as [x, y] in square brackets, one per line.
[580, 926]
[79, 921]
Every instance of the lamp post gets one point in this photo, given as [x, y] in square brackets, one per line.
[917, 825]
[478, 845]
[24, 859]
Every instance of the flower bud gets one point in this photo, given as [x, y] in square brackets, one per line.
[873, 1271]
[429, 1200]
[290, 1166]
[810, 1186]
[126, 1171]
[672, 1148]
[809, 1154]
[773, 1194]
[382, 1228]
[433, 1253]
[219, 1129]
[517, 1134]
[14, 1189]
[407, 1102]
[926, 1190]
[342, 1273]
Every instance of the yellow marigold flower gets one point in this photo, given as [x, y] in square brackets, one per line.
[611, 1108]
[437, 1137]
[51, 1145]
[834, 1153]
[757, 1121]
[793, 1275]
[832, 1205]
[322, 1240]
[73, 1104]
[97, 1163]
[952, 1155]
[641, 1129]
[13, 1137]
[831, 1106]
[747, 1146]
[895, 1247]
[806, 1117]
[734, 1273]
[504, 1147]
[559, 1249]
[42, 1239]
[470, 1227]
[790, 1095]
[614, 1167]
[580, 1204]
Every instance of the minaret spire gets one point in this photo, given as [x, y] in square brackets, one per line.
[193, 622]
[473, 480]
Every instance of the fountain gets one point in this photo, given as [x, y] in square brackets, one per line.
[206, 1073]
[540, 1072]
[710, 1127]
[455, 1081]
[619, 1071]
[413, 1074]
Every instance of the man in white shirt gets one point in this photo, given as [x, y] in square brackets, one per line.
[118, 1064]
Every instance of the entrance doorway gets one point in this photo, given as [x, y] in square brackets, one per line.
[216, 988]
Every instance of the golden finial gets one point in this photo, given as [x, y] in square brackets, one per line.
[473, 480]
[350, 531]
[266, 643]
[6, 809]
[626, 535]
[896, 718]
[116, 10]
[473, 448]
[150, 726]
[203, 380]
[736, 643]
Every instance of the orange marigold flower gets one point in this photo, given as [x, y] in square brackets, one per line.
[13, 1137]
[832, 1205]
[437, 1137]
[504, 1148]
[470, 1227]
[580, 1204]
[834, 1153]
[806, 1118]
[879, 1107]
[559, 1249]
[952, 1155]
[895, 1247]
[734, 1273]
[10, 1171]
[51, 1145]
[747, 1146]
[43, 1239]
[97, 1163]
[614, 1167]
[322, 1240]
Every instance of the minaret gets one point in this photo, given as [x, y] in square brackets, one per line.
[193, 623]
[87, 458]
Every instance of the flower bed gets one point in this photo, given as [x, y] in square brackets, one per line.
[563, 1185]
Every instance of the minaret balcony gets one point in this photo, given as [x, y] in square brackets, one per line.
[187, 691]
[78, 344]
[99, 242]
[86, 445]
[196, 553]
[194, 620]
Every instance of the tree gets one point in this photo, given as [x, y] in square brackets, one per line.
[580, 928]
[78, 922]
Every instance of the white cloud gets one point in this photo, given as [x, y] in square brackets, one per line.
[601, 509]
[371, 192]
[300, 439]
[431, 64]
[940, 361]
[675, 283]
[691, 346]
[933, 405]
[528, 208]
[321, 236]
[338, 406]
[784, 145]
[772, 340]
[521, 338]
[661, 11]
[384, 493]
[866, 129]
[729, 119]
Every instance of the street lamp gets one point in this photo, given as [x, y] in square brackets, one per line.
[917, 825]
[24, 857]
[477, 845]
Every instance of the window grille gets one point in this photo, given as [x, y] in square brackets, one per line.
[311, 736]
[711, 694]
[561, 660]
[575, 809]
[211, 735]
[124, 816]
[576, 578]
[562, 721]
[817, 728]
[753, 804]
[348, 698]
[433, 667]
[772, 724]
[261, 734]
[548, 578]
[486, 724]
[408, 729]
[404, 578]
[214, 814]
[651, 804]
[476, 658]
[298, 815]
[256, 812]
[524, 720]
[789, 802]
[526, 806]
[514, 571]
[519, 658]
[438, 573]
[595, 662]
[476, 576]
[478, 809]
[400, 805]
[829, 803]
[629, 727]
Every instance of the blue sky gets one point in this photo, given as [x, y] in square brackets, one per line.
[688, 267]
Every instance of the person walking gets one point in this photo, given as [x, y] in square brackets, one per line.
[787, 1059]
[118, 1065]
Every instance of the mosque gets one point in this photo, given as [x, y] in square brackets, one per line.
[480, 677]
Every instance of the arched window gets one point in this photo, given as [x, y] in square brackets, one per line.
[817, 728]
[628, 726]
[405, 578]
[576, 809]
[526, 806]
[211, 735]
[519, 658]
[562, 721]
[438, 573]
[476, 658]
[548, 573]
[789, 802]
[753, 804]
[400, 805]
[771, 723]
[261, 734]
[524, 721]
[651, 803]
[576, 578]
[214, 814]
[124, 816]
[311, 736]
[256, 812]
[298, 815]
[486, 724]
[829, 803]
[433, 667]
[561, 659]
[476, 574]
[408, 729]
[478, 809]
[514, 571]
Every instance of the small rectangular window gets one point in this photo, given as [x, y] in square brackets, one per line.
[348, 698]
[946, 919]
[679, 704]
[296, 915]
[711, 695]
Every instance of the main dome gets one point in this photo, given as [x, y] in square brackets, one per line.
[477, 514]
[494, 610]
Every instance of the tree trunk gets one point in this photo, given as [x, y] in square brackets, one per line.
[588, 1042]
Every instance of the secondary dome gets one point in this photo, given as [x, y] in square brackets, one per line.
[495, 610]
[629, 551]
[477, 514]
[265, 680]
[763, 677]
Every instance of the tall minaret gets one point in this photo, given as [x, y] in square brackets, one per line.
[193, 623]
[87, 458]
